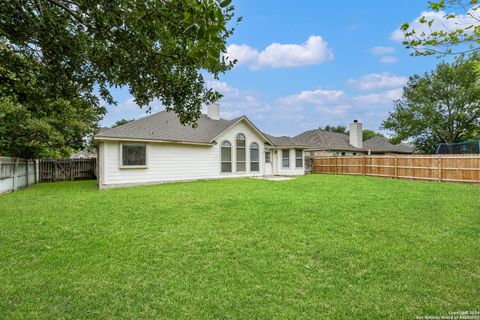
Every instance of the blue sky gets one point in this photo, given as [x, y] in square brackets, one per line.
[305, 64]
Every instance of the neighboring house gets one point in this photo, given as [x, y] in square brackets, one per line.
[326, 143]
[381, 145]
[159, 149]
[83, 155]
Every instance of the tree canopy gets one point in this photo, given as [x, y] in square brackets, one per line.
[80, 48]
[121, 122]
[39, 118]
[368, 134]
[454, 30]
[331, 128]
[442, 106]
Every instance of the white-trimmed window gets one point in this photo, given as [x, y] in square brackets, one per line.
[241, 152]
[254, 157]
[285, 158]
[133, 155]
[268, 156]
[298, 158]
[226, 156]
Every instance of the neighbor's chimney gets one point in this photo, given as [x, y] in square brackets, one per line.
[356, 136]
[213, 111]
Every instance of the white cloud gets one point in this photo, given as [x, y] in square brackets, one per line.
[244, 54]
[381, 50]
[325, 101]
[388, 59]
[374, 81]
[222, 87]
[310, 109]
[441, 23]
[338, 109]
[375, 99]
[236, 102]
[315, 97]
[338, 102]
[314, 51]
[127, 108]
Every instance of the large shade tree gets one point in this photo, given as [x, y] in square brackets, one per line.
[77, 48]
[454, 28]
[38, 117]
[442, 106]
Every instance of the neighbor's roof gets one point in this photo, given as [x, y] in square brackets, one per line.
[165, 126]
[325, 140]
[381, 144]
[285, 141]
[83, 154]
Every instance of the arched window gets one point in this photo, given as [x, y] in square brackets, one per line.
[241, 153]
[254, 157]
[226, 156]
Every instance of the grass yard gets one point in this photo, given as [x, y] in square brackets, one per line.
[317, 247]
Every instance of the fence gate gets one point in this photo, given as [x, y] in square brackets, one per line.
[67, 169]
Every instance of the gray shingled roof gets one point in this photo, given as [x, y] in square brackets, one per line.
[285, 141]
[325, 140]
[165, 126]
[381, 144]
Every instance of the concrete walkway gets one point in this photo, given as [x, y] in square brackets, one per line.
[275, 178]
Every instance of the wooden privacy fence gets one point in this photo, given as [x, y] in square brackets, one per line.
[67, 169]
[16, 173]
[450, 168]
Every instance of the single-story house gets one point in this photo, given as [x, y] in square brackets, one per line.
[326, 143]
[158, 148]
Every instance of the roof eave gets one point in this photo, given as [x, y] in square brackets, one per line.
[100, 138]
[289, 147]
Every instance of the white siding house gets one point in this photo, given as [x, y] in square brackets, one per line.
[159, 149]
[290, 162]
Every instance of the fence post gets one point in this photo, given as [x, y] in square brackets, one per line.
[26, 170]
[335, 168]
[35, 171]
[396, 167]
[439, 168]
[71, 166]
[15, 177]
[364, 165]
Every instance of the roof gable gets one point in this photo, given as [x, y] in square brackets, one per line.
[236, 121]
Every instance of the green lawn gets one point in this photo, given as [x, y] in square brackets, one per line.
[317, 247]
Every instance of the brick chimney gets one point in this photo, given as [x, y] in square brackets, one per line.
[356, 135]
[213, 111]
